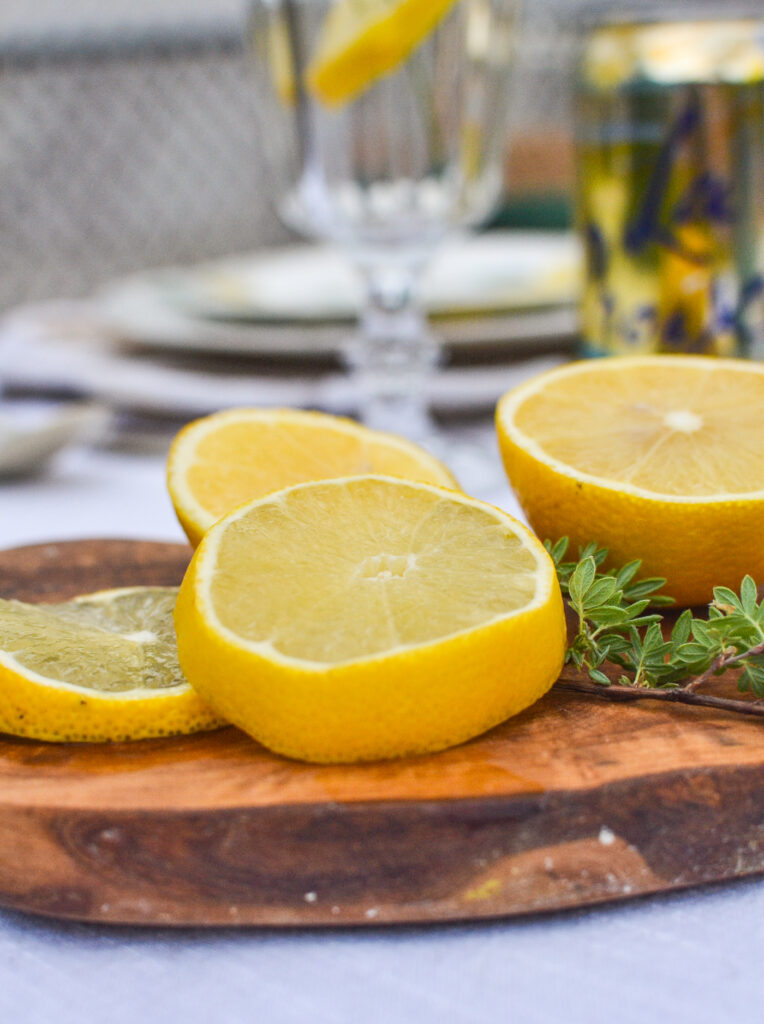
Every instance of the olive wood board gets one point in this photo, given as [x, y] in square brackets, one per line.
[576, 801]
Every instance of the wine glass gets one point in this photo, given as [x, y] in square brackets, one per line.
[387, 172]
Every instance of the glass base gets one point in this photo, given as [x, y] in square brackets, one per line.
[391, 379]
[401, 415]
[472, 456]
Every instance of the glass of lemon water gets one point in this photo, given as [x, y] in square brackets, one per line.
[384, 123]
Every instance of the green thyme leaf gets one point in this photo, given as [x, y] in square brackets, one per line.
[619, 625]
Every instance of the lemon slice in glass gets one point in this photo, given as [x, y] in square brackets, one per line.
[361, 40]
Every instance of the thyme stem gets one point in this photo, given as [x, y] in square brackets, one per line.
[724, 661]
[681, 695]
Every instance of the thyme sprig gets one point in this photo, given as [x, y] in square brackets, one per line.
[621, 644]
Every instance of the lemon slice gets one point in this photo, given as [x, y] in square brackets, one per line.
[654, 457]
[361, 40]
[369, 617]
[278, 56]
[223, 460]
[101, 667]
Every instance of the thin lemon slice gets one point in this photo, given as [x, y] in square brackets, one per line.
[655, 457]
[101, 667]
[361, 40]
[369, 617]
[224, 460]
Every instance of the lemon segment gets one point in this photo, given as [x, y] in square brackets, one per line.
[101, 667]
[280, 59]
[361, 40]
[654, 457]
[221, 461]
[369, 617]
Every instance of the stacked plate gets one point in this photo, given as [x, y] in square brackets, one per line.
[269, 328]
[499, 288]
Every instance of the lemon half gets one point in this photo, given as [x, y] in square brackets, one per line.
[369, 617]
[224, 460]
[654, 457]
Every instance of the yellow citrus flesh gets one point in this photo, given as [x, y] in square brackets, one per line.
[101, 667]
[654, 457]
[224, 460]
[361, 40]
[280, 58]
[368, 617]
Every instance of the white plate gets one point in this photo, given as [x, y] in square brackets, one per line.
[89, 366]
[502, 288]
[496, 272]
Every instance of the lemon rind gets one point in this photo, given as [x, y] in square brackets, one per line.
[206, 558]
[509, 404]
[99, 596]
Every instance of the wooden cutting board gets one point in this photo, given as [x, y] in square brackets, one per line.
[576, 801]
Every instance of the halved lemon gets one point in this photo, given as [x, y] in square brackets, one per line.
[361, 40]
[224, 460]
[101, 667]
[654, 457]
[369, 617]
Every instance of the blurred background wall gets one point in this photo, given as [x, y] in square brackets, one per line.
[129, 138]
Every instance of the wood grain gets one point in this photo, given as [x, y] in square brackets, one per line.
[574, 802]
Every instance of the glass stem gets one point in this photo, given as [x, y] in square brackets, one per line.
[393, 356]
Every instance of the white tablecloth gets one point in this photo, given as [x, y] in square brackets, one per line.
[692, 957]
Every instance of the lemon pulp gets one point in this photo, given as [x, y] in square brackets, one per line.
[100, 667]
